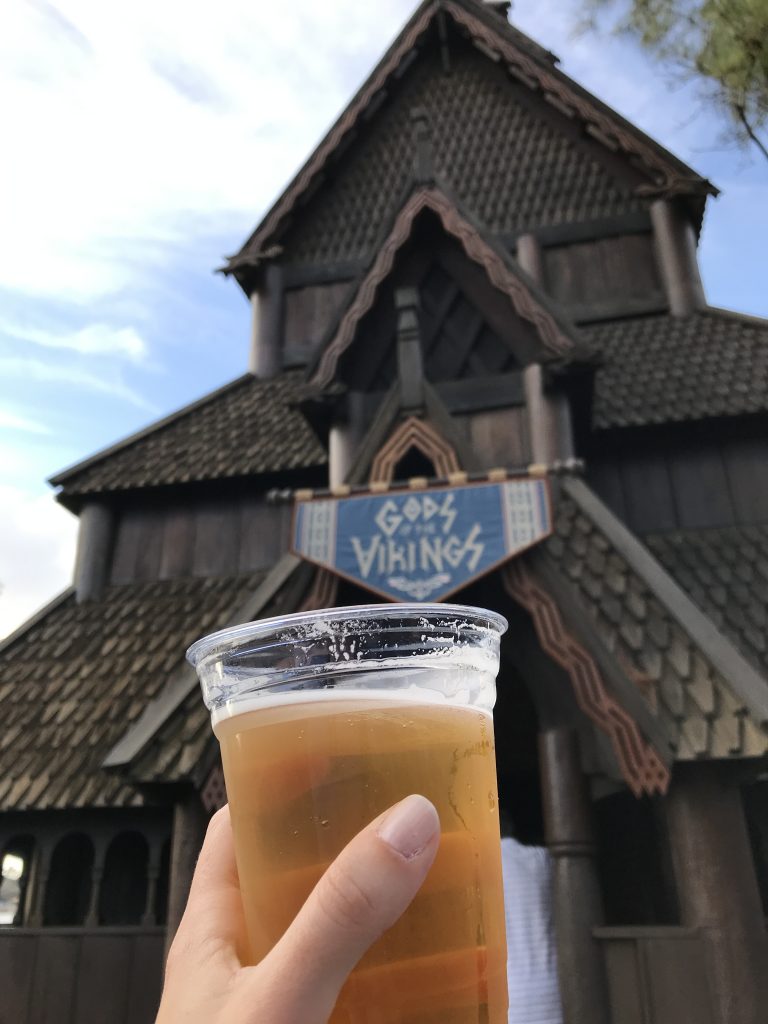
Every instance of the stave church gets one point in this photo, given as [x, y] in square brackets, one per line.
[479, 296]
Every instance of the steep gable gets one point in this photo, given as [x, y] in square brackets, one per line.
[519, 143]
[479, 313]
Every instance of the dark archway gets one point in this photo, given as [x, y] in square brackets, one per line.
[68, 893]
[124, 884]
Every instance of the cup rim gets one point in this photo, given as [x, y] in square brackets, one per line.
[482, 618]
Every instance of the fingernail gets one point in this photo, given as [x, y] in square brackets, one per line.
[409, 826]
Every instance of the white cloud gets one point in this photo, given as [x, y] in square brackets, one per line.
[131, 130]
[29, 368]
[95, 339]
[10, 421]
[37, 548]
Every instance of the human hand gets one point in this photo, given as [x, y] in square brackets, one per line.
[362, 893]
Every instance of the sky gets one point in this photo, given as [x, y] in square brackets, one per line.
[146, 140]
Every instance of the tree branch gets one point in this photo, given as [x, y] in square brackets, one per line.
[742, 116]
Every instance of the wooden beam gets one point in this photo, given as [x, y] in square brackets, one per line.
[578, 906]
[549, 421]
[615, 309]
[267, 304]
[482, 393]
[717, 887]
[189, 824]
[529, 257]
[304, 275]
[94, 550]
[410, 362]
[676, 248]
[345, 436]
[638, 222]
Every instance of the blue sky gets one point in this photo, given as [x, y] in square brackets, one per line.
[146, 146]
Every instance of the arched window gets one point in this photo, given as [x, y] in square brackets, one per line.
[123, 895]
[15, 864]
[68, 893]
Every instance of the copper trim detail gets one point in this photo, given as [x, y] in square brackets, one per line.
[414, 433]
[640, 765]
[476, 248]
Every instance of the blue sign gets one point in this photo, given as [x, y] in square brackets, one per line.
[422, 545]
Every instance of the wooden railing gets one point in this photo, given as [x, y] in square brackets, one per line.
[80, 975]
[656, 975]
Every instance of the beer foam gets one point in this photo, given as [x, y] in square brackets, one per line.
[471, 689]
[375, 698]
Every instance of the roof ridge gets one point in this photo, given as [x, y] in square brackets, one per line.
[603, 124]
[65, 474]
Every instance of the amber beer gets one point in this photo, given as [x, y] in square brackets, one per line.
[307, 768]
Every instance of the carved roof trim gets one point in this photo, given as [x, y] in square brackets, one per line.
[522, 293]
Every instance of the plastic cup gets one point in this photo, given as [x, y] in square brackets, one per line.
[327, 718]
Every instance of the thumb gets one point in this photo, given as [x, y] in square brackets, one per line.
[362, 893]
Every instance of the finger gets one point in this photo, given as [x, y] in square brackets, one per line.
[362, 893]
[213, 919]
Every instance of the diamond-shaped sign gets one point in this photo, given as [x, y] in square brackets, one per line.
[422, 545]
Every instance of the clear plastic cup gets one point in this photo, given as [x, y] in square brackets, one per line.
[327, 718]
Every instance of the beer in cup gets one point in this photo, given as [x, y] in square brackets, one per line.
[326, 719]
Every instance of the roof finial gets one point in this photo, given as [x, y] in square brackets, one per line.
[501, 7]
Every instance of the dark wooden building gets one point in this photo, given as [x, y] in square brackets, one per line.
[481, 272]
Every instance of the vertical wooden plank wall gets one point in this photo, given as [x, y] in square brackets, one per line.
[17, 968]
[498, 437]
[55, 980]
[690, 485]
[80, 976]
[620, 271]
[308, 314]
[104, 970]
[217, 537]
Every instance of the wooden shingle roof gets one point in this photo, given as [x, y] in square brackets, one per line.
[706, 686]
[667, 369]
[547, 166]
[654, 369]
[247, 428]
[725, 571]
[75, 678]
